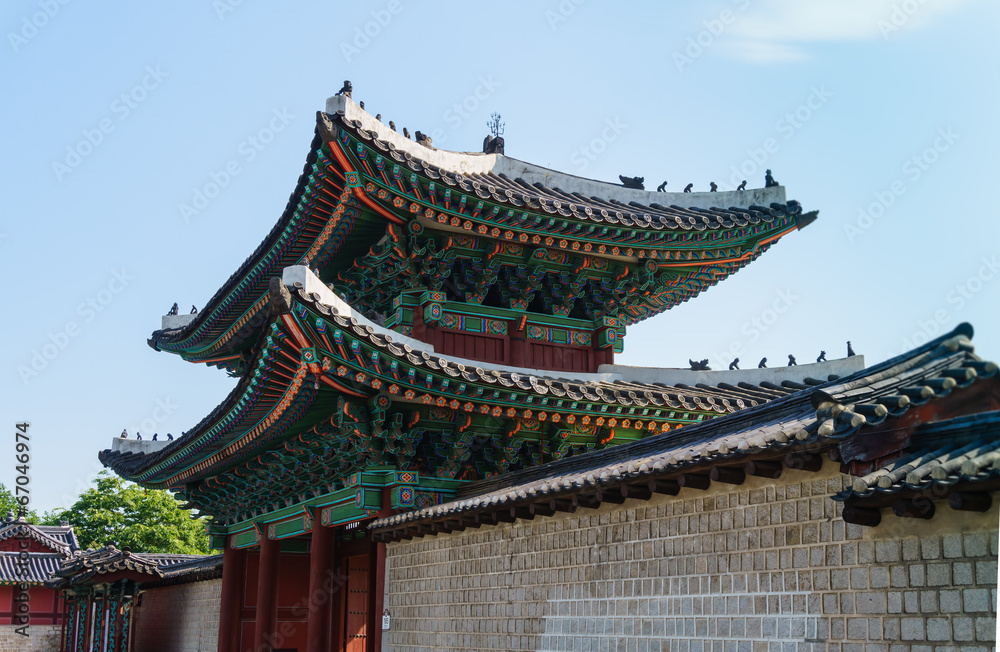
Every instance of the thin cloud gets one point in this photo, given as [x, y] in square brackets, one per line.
[774, 30]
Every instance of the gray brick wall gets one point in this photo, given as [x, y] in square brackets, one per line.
[41, 638]
[180, 618]
[765, 566]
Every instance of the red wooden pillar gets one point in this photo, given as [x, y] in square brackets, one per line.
[376, 595]
[267, 595]
[233, 571]
[322, 585]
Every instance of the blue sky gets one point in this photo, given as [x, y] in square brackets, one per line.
[881, 114]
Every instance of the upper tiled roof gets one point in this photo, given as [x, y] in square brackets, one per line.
[808, 420]
[572, 207]
[60, 538]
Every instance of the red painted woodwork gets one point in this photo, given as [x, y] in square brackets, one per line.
[45, 606]
[266, 621]
[290, 590]
[18, 544]
[486, 348]
[321, 586]
[233, 570]
[356, 604]
[518, 352]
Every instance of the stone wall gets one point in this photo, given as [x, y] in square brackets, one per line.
[768, 565]
[179, 618]
[41, 638]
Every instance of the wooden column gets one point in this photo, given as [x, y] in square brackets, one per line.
[230, 602]
[267, 595]
[322, 585]
[376, 595]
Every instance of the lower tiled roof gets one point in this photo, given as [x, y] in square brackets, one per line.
[789, 429]
[41, 566]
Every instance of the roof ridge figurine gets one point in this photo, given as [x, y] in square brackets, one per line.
[734, 365]
[173, 309]
[346, 89]
[821, 357]
[636, 183]
[662, 187]
[688, 187]
[769, 181]
[850, 350]
[762, 364]
[742, 186]
[791, 361]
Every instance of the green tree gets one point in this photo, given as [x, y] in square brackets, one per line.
[9, 503]
[123, 513]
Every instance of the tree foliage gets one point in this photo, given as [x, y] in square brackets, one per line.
[125, 514]
[9, 503]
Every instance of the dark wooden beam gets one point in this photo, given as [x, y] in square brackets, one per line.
[862, 516]
[920, 508]
[611, 495]
[543, 508]
[694, 480]
[504, 516]
[764, 469]
[804, 461]
[522, 512]
[566, 504]
[637, 491]
[590, 501]
[727, 474]
[668, 487]
[965, 501]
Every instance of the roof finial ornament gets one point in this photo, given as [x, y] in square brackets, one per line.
[688, 187]
[194, 309]
[742, 186]
[701, 365]
[346, 89]
[10, 515]
[821, 357]
[362, 105]
[155, 435]
[138, 435]
[850, 350]
[769, 180]
[423, 139]
[712, 187]
[173, 309]
[392, 125]
[124, 434]
[791, 361]
[406, 132]
[638, 183]
[494, 143]
[734, 365]
[378, 116]
[170, 437]
[662, 187]
[762, 364]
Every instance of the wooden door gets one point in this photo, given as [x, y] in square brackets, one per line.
[356, 604]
